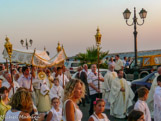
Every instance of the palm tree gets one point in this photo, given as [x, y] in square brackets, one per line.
[90, 57]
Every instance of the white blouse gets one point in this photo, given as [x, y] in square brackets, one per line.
[57, 116]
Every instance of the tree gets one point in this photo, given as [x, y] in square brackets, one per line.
[90, 57]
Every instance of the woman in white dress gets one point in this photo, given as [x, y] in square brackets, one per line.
[74, 91]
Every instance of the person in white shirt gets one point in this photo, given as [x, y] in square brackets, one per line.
[83, 77]
[150, 100]
[141, 104]
[118, 63]
[66, 72]
[57, 91]
[121, 96]
[25, 79]
[62, 77]
[55, 113]
[54, 71]
[111, 62]
[98, 115]
[157, 100]
[124, 61]
[9, 84]
[94, 90]
[109, 77]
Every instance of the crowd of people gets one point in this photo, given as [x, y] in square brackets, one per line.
[32, 93]
[125, 62]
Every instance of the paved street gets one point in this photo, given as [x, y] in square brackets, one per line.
[86, 115]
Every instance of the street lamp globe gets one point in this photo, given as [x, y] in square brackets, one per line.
[126, 14]
[22, 42]
[31, 41]
[143, 13]
[98, 37]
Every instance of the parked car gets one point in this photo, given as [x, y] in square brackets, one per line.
[144, 82]
[72, 66]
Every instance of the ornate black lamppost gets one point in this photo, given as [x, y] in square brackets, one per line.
[26, 44]
[126, 15]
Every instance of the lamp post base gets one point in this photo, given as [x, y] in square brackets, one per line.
[136, 73]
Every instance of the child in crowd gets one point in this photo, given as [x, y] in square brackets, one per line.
[57, 91]
[141, 104]
[136, 116]
[4, 107]
[99, 107]
[157, 100]
[55, 113]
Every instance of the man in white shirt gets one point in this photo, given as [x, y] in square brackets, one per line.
[83, 77]
[94, 91]
[9, 84]
[124, 61]
[66, 72]
[118, 63]
[25, 79]
[62, 77]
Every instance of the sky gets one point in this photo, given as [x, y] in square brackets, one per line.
[74, 22]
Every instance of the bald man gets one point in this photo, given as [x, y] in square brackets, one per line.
[150, 100]
[106, 86]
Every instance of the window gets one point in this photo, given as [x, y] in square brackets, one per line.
[146, 61]
[140, 62]
[74, 64]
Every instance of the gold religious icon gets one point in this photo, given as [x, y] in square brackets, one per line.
[58, 47]
[8, 47]
[41, 75]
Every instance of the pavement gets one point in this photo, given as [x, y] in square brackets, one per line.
[107, 112]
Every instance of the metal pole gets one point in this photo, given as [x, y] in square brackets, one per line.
[135, 37]
[98, 70]
[7, 65]
[11, 73]
[26, 44]
[63, 79]
[31, 79]
[135, 45]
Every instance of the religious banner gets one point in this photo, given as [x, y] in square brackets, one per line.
[26, 56]
[59, 59]
[36, 58]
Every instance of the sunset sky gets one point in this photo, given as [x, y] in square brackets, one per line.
[74, 22]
